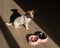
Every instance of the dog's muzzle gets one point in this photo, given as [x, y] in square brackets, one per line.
[32, 17]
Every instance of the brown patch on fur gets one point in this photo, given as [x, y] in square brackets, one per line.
[33, 12]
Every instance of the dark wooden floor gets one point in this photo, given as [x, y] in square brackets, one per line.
[16, 38]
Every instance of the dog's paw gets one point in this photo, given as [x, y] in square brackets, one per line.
[27, 27]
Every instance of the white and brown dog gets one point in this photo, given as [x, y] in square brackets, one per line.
[25, 19]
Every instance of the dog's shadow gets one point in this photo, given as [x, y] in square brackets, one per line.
[14, 15]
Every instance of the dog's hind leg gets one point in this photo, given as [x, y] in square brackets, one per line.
[16, 25]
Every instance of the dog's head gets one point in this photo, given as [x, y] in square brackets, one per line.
[30, 13]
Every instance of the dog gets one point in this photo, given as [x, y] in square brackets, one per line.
[24, 19]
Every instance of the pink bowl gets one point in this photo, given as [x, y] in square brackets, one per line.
[33, 40]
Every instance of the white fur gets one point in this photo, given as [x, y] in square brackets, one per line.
[21, 20]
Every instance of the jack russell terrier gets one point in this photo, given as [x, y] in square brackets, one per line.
[24, 19]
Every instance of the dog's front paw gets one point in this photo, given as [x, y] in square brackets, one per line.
[27, 27]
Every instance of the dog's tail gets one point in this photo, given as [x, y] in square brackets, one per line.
[8, 23]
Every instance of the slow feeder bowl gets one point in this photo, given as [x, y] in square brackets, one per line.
[34, 40]
[42, 36]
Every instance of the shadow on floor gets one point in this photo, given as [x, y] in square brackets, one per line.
[46, 17]
[8, 36]
[14, 15]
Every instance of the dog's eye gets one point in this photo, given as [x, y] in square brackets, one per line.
[28, 15]
[33, 13]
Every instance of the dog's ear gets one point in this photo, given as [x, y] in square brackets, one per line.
[33, 11]
[28, 11]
